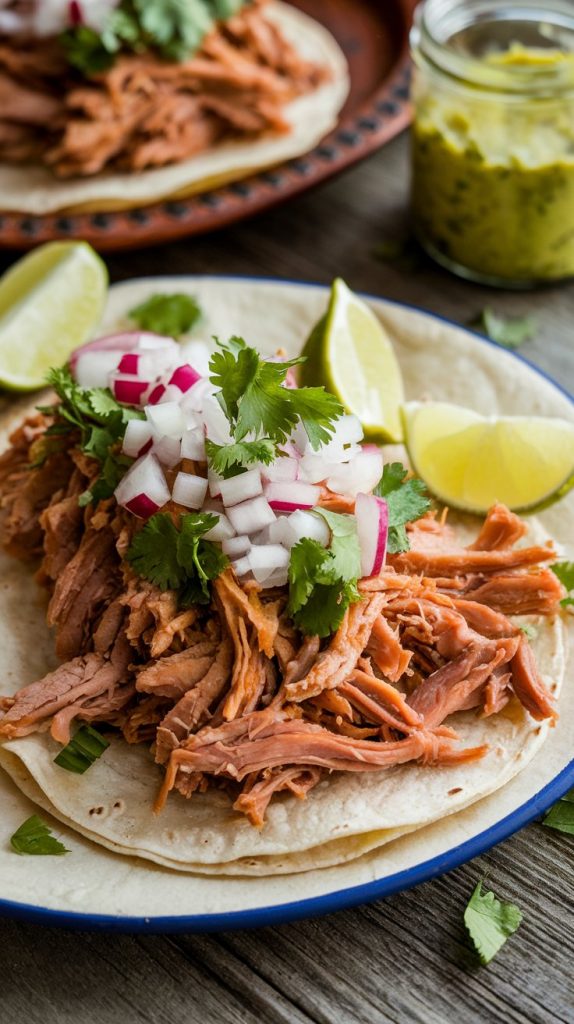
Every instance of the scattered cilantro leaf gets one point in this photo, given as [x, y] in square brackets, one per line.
[510, 332]
[406, 501]
[35, 838]
[345, 549]
[565, 573]
[172, 315]
[323, 581]
[228, 459]
[530, 632]
[489, 922]
[82, 751]
[561, 816]
[181, 559]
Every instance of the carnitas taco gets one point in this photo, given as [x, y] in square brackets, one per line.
[261, 649]
[121, 103]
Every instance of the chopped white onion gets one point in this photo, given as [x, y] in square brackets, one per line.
[166, 419]
[241, 488]
[194, 398]
[372, 518]
[198, 353]
[313, 467]
[360, 475]
[277, 579]
[193, 445]
[265, 559]
[308, 525]
[251, 516]
[279, 532]
[137, 438]
[171, 394]
[168, 451]
[286, 497]
[242, 566]
[348, 430]
[284, 468]
[92, 368]
[300, 438]
[189, 490]
[222, 531]
[143, 489]
[216, 422]
[235, 547]
[215, 481]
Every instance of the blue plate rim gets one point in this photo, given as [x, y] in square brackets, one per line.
[340, 899]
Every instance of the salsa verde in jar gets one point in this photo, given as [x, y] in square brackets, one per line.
[493, 139]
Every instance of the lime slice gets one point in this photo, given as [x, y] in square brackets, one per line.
[350, 353]
[50, 302]
[471, 461]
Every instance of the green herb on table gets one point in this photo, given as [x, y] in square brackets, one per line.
[489, 922]
[510, 332]
[406, 501]
[561, 815]
[82, 751]
[35, 839]
[171, 315]
[323, 581]
[565, 573]
[180, 560]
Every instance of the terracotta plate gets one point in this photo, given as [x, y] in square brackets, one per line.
[374, 37]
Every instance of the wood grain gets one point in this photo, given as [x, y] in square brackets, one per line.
[405, 960]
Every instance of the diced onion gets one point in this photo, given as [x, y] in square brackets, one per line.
[215, 481]
[360, 475]
[189, 490]
[278, 578]
[125, 342]
[143, 489]
[193, 445]
[216, 422]
[251, 516]
[309, 525]
[279, 532]
[242, 566]
[287, 497]
[235, 547]
[372, 517]
[92, 369]
[198, 354]
[222, 531]
[314, 468]
[171, 394]
[166, 419]
[348, 430]
[284, 468]
[241, 488]
[265, 559]
[168, 451]
[137, 438]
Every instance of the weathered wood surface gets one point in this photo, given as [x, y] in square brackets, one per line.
[405, 960]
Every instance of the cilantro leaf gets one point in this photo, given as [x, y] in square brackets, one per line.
[35, 838]
[323, 581]
[530, 632]
[90, 52]
[181, 559]
[228, 459]
[510, 332]
[406, 502]
[175, 27]
[171, 315]
[565, 573]
[345, 549]
[561, 816]
[82, 751]
[489, 922]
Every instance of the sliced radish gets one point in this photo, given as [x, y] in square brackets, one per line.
[166, 419]
[287, 497]
[92, 369]
[360, 475]
[184, 377]
[372, 517]
[127, 389]
[157, 394]
[143, 489]
[235, 547]
[265, 559]
[193, 445]
[189, 490]
[241, 488]
[137, 438]
[168, 451]
[129, 363]
[308, 525]
[284, 468]
[251, 516]
[222, 531]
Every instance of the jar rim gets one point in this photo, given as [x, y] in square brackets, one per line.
[436, 22]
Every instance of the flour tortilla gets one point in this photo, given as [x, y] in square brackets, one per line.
[34, 189]
[346, 815]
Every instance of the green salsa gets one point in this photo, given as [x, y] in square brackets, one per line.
[493, 182]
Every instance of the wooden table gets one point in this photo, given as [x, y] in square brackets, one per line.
[405, 960]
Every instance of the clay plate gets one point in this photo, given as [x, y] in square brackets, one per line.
[374, 38]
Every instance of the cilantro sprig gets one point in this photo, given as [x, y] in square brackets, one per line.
[181, 559]
[36, 839]
[561, 815]
[489, 922]
[261, 411]
[406, 501]
[101, 423]
[82, 751]
[172, 315]
[323, 581]
[565, 573]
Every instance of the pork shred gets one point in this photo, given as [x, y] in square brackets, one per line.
[230, 694]
[146, 112]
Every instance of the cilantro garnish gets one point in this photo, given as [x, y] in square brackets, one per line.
[181, 559]
[101, 422]
[257, 404]
[230, 459]
[509, 332]
[174, 29]
[82, 751]
[323, 581]
[489, 922]
[171, 315]
[561, 816]
[565, 573]
[35, 838]
[406, 502]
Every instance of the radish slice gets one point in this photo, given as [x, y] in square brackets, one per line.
[241, 488]
[166, 419]
[360, 475]
[168, 451]
[222, 531]
[143, 489]
[287, 497]
[157, 394]
[307, 524]
[189, 490]
[129, 363]
[137, 438]
[92, 369]
[127, 389]
[184, 377]
[251, 516]
[284, 468]
[372, 517]
[265, 559]
[193, 445]
[235, 547]
[125, 342]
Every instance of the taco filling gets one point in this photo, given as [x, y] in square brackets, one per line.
[236, 582]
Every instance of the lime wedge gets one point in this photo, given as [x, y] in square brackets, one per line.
[350, 353]
[471, 461]
[50, 302]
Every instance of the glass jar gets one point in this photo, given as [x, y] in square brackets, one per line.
[493, 138]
